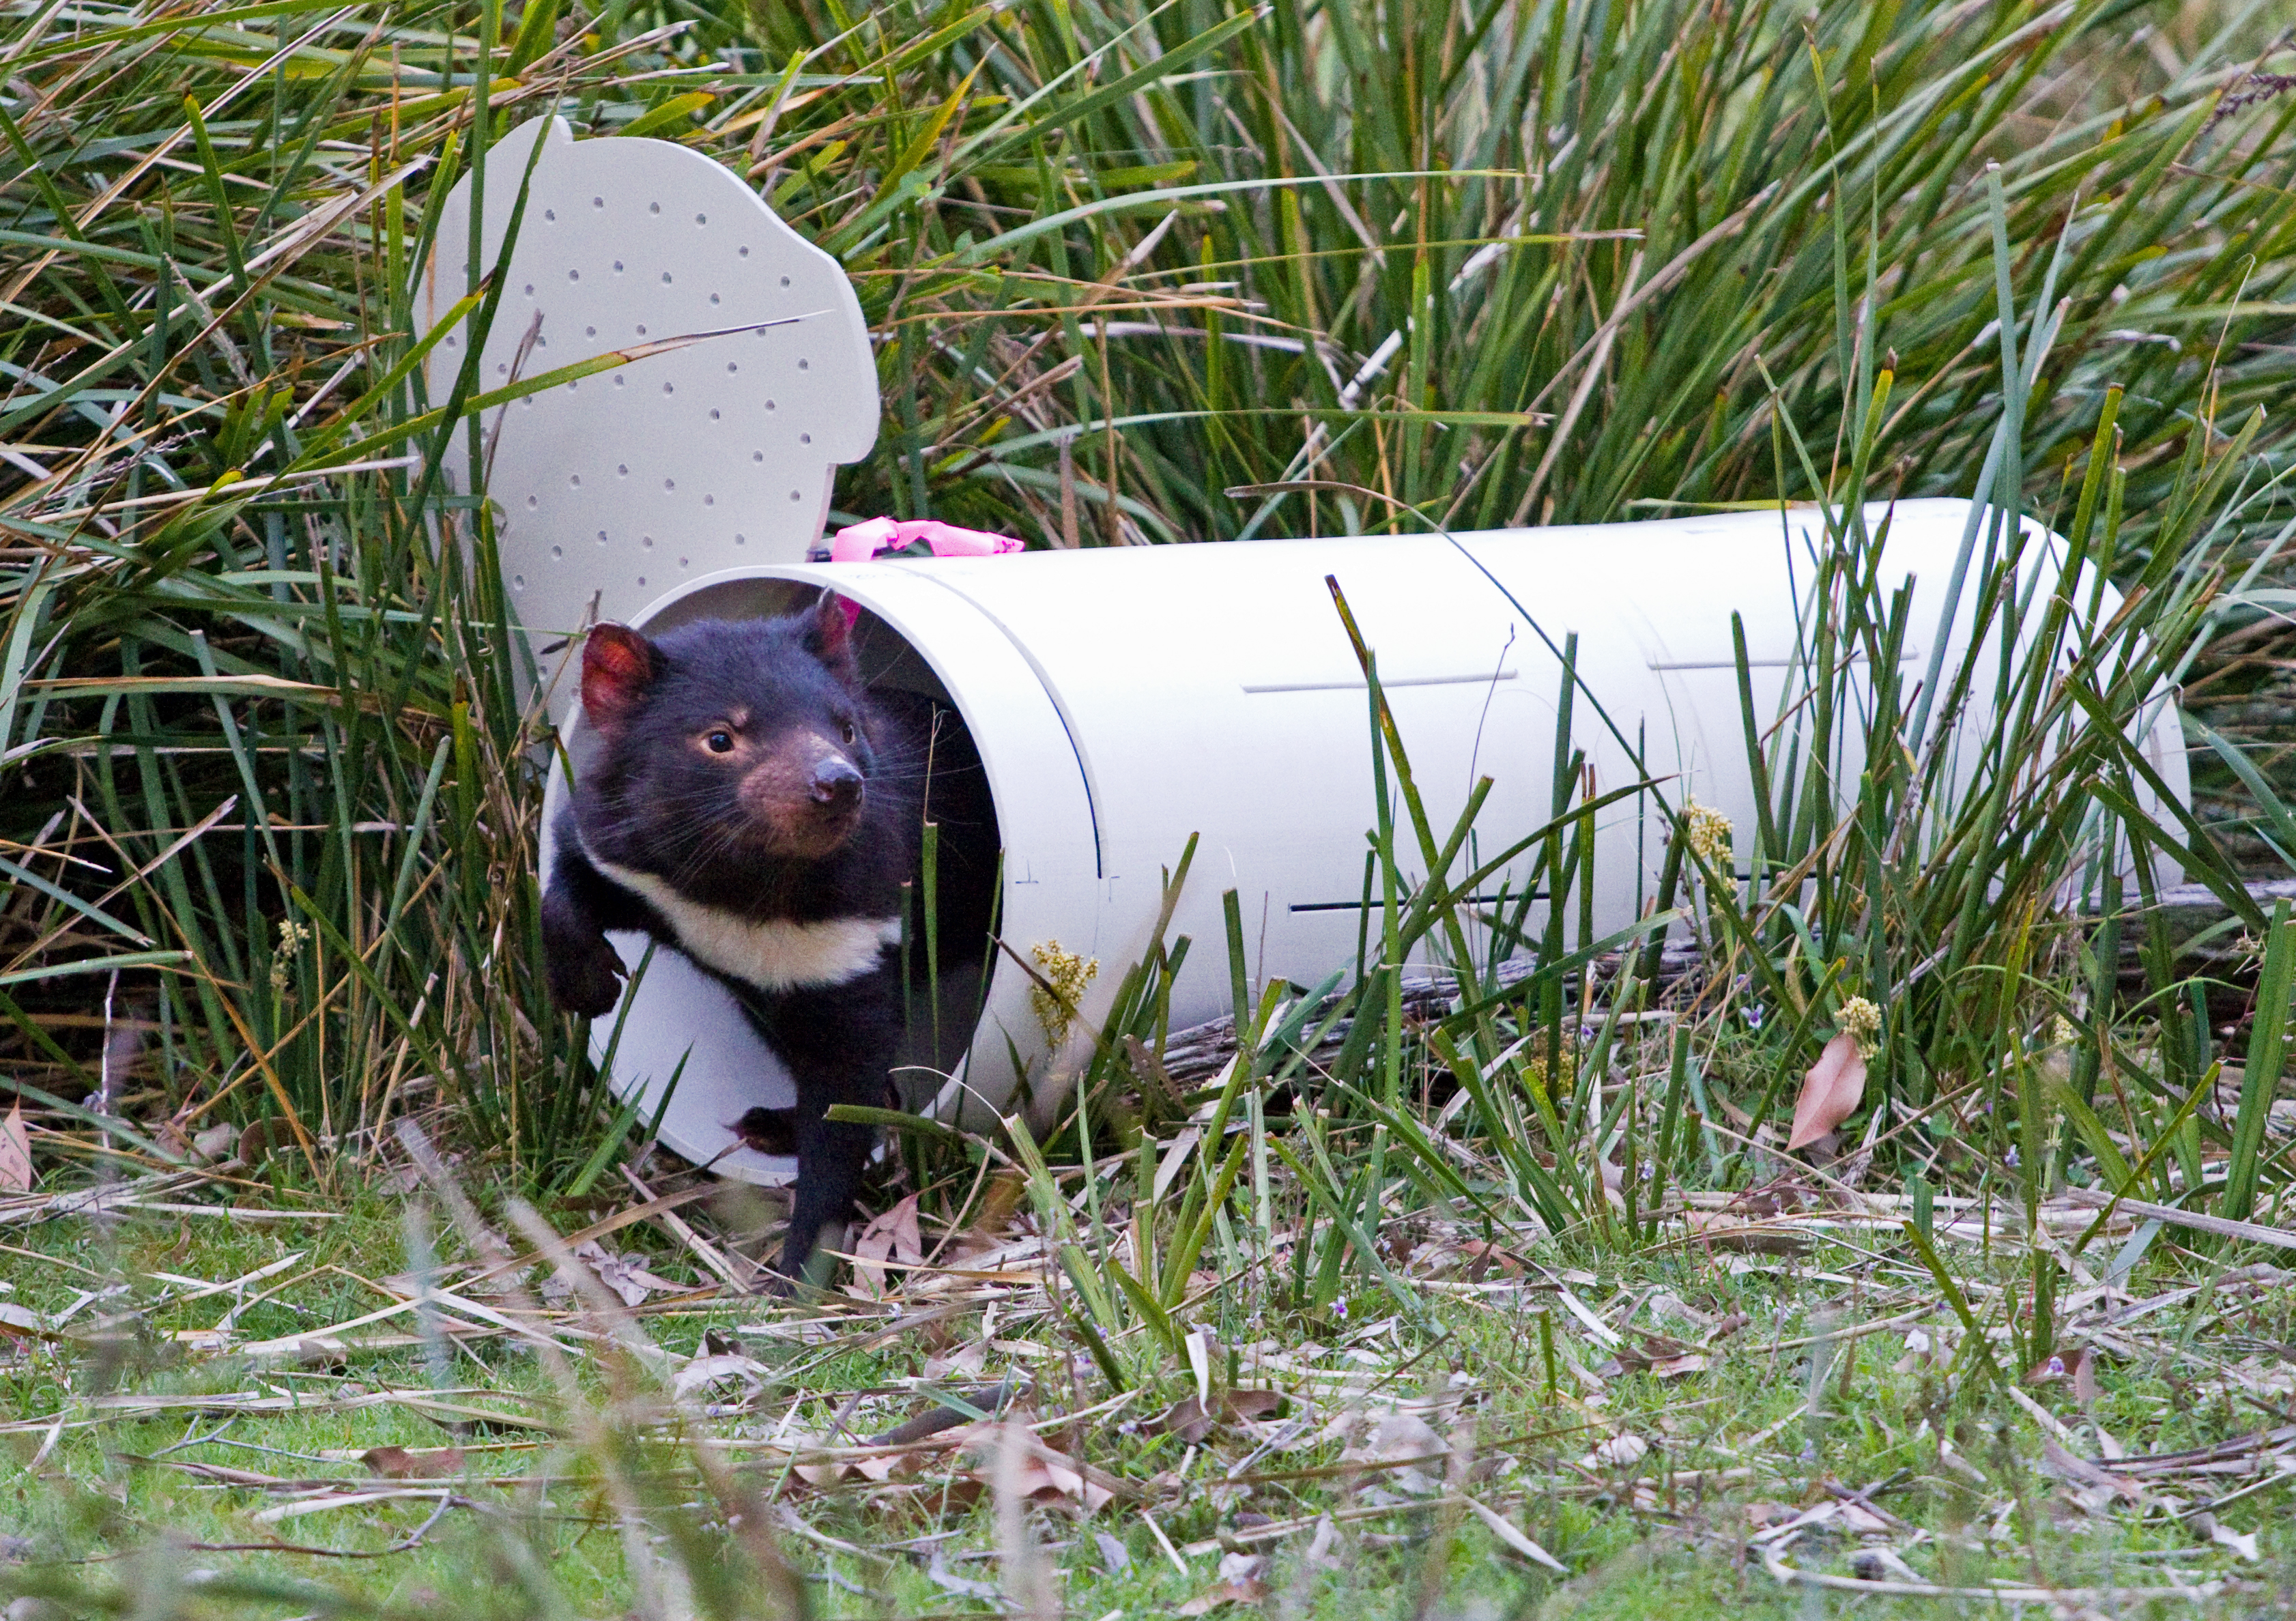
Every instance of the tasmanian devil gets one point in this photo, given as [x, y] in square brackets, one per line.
[746, 807]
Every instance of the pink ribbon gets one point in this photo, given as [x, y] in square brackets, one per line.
[858, 542]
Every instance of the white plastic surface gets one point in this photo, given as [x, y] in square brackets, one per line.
[626, 485]
[1124, 699]
[1120, 699]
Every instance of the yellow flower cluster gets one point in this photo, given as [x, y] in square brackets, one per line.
[1068, 974]
[292, 937]
[1861, 1021]
[1709, 832]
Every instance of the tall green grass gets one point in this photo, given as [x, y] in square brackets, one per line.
[269, 796]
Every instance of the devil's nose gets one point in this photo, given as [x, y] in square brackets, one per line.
[836, 783]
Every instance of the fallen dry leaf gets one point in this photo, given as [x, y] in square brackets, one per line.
[1395, 1437]
[1830, 1093]
[1188, 1421]
[15, 1153]
[1241, 1582]
[396, 1463]
[1722, 1230]
[891, 1239]
[1619, 1452]
[1658, 1355]
[1040, 1474]
[626, 1275]
[717, 1367]
[1483, 1258]
[2071, 1466]
[2242, 1543]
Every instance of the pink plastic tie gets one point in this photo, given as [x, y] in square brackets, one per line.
[858, 542]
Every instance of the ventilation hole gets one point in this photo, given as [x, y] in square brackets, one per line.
[804, 365]
[710, 500]
[601, 537]
[713, 298]
[733, 365]
[530, 290]
[550, 214]
[540, 342]
[556, 554]
[623, 468]
[786, 281]
[740, 540]
[618, 266]
[757, 455]
[575, 480]
[453, 343]
[576, 383]
[598, 202]
[504, 368]
[701, 219]
[769, 405]
[664, 278]
[805, 438]
[573, 275]
[797, 495]
[645, 543]
[641, 579]
[532, 502]
[685, 563]
[745, 253]
[669, 387]
[589, 331]
[715, 413]
[518, 582]
[669, 484]
[641, 329]
[653, 208]
[620, 382]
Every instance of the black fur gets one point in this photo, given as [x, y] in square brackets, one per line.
[655, 801]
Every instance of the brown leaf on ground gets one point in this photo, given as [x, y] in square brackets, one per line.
[1721, 1229]
[1830, 1093]
[261, 1139]
[15, 1153]
[625, 1274]
[891, 1239]
[396, 1463]
[1241, 1582]
[2069, 1466]
[2084, 1366]
[1191, 1423]
[1483, 1258]
[1041, 1474]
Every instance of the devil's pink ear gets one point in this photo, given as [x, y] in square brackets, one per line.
[618, 668]
[829, 631]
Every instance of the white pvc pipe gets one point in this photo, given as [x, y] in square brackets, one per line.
[1123, 699]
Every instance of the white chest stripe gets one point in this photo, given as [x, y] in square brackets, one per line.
[776, 955]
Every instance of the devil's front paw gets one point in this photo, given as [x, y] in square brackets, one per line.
[585, 975]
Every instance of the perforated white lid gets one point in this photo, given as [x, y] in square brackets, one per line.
[628, 484]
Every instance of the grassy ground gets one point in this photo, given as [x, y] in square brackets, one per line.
[267, 793]
[1653, 1419]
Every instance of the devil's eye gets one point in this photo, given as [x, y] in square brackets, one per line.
[846, 729]
[720, 742]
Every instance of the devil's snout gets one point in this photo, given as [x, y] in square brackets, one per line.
[836, 782]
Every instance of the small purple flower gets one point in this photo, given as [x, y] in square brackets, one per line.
[1339, 1310]
[2011, 1159]
[1585, 1035]
[1754, 1012]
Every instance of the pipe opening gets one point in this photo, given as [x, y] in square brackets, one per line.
[950, 959]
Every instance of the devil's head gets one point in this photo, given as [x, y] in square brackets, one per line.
[725, 743]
